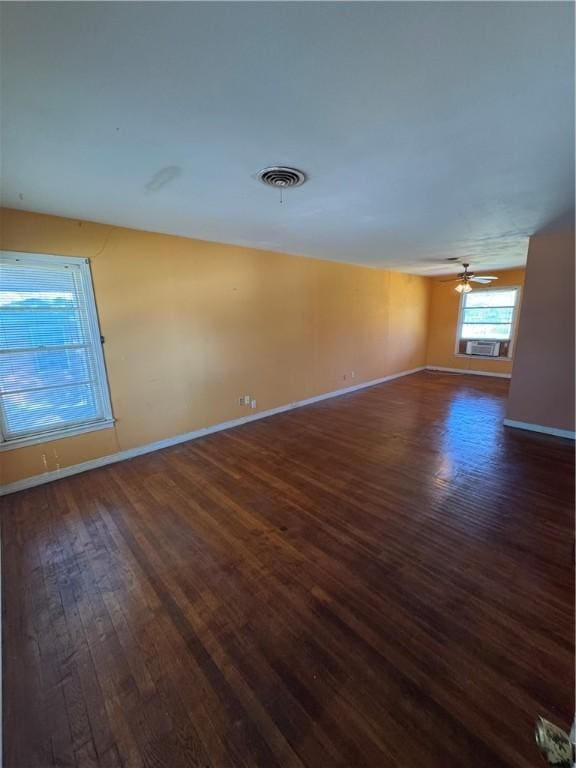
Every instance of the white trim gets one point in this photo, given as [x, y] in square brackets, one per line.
[48, 437]
[94, 322]
[540, 428]
[488, 358]
[41, 258]
[47, 477]
[467, 371]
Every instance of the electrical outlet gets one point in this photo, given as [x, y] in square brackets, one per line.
[353, 375]
[253, 404]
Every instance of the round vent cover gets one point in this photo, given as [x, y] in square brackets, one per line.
[281, 176]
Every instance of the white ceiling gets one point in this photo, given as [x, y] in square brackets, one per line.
[427, 130]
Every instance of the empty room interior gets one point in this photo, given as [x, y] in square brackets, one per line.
[287, 384]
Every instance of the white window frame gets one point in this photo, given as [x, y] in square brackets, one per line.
[106, 421]
[513, 324]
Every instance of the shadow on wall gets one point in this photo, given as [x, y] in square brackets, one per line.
[542, 387]
[565, 222]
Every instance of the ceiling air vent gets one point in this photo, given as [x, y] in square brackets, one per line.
[281, 177]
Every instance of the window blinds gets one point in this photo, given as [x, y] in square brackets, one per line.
[52, 375]
[488, 314]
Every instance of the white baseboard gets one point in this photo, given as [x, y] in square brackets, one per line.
[466, 371]
[539, 428]
[130, 453]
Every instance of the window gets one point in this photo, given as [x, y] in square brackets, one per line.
[52, 375]
[488, 314]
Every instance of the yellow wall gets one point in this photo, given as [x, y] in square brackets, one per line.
[443, 324]
[191, 325]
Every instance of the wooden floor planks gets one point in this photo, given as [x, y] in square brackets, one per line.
[381, 579]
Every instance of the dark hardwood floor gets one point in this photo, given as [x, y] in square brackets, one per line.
[382, 579]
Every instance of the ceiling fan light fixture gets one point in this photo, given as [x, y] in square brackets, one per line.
[465, 278]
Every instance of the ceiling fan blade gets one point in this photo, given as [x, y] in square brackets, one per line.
[485, 279]
[451, 280]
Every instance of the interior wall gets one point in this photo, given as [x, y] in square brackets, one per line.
[190, 326]
[542, 387]
[443, 325]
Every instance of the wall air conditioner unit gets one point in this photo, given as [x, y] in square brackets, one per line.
[483, 348]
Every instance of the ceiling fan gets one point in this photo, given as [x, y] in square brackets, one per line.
[465, 278]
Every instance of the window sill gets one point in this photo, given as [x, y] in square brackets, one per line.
[60, 434]
[484, 357]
